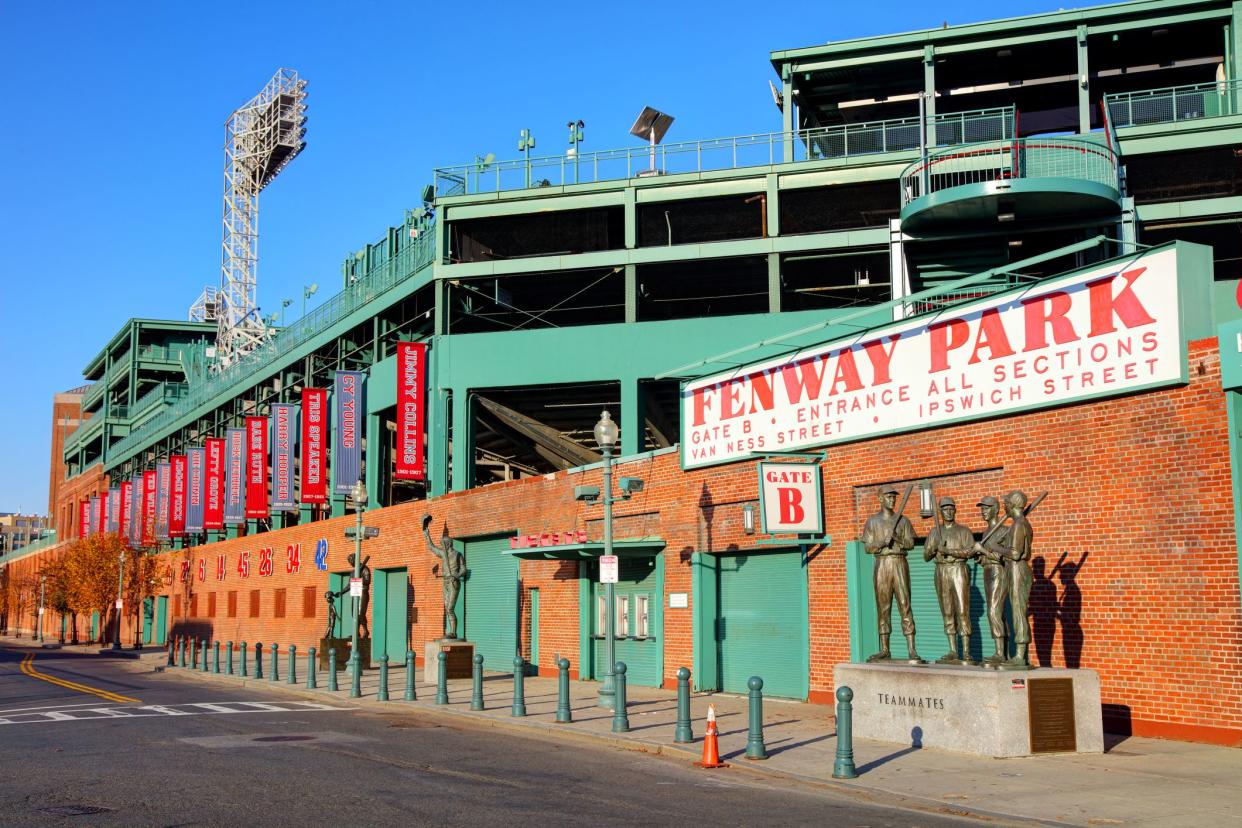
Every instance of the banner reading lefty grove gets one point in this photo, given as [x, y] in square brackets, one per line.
[213, 484]
[411, 408]
[235, 477]
[256, 467]
[350, 409]
[1107, 330]
[196, 462]
[284, 435]
[314, 425]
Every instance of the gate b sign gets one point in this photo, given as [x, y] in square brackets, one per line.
[790, 498]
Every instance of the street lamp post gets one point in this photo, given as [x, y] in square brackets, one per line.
[307, 292]
[42, 582]
[359, 496]
[120, 592]
[606, 436]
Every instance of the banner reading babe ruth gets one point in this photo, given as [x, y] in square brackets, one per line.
[312, 448]
[196, 461]
[163, 499]
[235, 477]
[350, 410]
[112, 519]
[213, 483]
[411, 409]
[284, 439]
[256, 467]
[177, 500]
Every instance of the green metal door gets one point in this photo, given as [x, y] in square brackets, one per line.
[389, 615]
[95, 625]
[639, 597]
[762, 624]
[344, 604]
[534, 630]
[491, 602]
[148, 620]
[161, 620]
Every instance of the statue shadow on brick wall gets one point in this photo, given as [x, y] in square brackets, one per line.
[1069, 610]
[1043, 609]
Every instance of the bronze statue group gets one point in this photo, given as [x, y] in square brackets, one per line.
[1004, 551]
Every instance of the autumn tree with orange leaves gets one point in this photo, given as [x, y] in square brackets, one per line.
[91, 574]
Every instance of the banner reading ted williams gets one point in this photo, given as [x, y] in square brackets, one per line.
[1101, 331]
[112, 520]
[126, 510]
[284, 436]
[350, 408]
[235, 476]
[163, 499]
[196, 460]
[149, 503]
[314, 427]
[176, 508]
[213, 483]
[256, 467]
[411, 410]
[135, 511]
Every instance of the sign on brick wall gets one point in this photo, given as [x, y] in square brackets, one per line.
[791, 497]
[1103, 331]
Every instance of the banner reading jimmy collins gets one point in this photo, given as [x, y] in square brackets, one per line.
[350, 410]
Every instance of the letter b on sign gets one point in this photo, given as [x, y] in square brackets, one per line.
[790, 505]
[792, 497]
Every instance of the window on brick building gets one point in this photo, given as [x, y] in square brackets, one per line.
[194, 606]
[309, 600]
[232, 604]
[254, 603]
[278, 600]
[176, 606]
[211, 605]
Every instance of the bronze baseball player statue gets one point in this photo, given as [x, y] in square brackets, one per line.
[889, 536]
[991, 553]
[952, 545]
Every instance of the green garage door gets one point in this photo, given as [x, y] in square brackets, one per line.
[390, 589]
[762, 627]
[491, 602]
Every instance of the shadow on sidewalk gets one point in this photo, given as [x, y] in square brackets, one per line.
[916, 743]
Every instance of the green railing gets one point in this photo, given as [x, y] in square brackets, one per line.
[1024, 158]
[93, 395]
[366, 288]
[48, 540]
[119, 367]
[162, 392]
[821, 143]
[1174, 103]
[85, 432]
[163, 353]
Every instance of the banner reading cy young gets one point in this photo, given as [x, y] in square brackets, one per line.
[284, 438]
[350, 409]
[197, 458]
[235, 477]
[1103, 331]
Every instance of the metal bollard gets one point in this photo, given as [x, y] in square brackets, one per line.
[193, 653]
[564, 715]
[292, 678]
[683, 733]
[181, 651]
[755, 749]
[519, 687]
[258, 659]
[215, 665]
[382, 695]
[172, 653]
[476, 697]
[206, 654]
[245, 663]
[410, 695]
[228, 657]
[332, 687]
[843, 767]
[312, 678]
[441, 679]
[355, 675]
[620, 717]
[272, 676]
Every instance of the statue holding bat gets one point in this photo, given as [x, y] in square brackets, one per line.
[889, 536]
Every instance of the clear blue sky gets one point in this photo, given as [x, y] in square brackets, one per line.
[111, 134]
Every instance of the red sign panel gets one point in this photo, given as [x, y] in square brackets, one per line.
[314, 432]
[84, 518]
[126, 516]
[256, 467]
[176, 509]
[148, 508]
[411, 410]
[213, 484]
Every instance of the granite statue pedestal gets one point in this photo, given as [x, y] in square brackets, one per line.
[343, 646]
[459, 661]
[978, 711]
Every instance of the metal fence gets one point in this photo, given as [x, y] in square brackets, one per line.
[1174, 103]
[1024, 158]
[841, 141]
[405, 264]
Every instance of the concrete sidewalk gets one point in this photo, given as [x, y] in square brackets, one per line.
[1137, 782]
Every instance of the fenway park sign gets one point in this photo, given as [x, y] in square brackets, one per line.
[1106, 331]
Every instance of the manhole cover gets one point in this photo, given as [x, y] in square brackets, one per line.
[283, 738]
[75, 810]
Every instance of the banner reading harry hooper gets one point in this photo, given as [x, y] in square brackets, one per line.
[411, 408]
[284, 436]
[213, 484]
[350, 409]
[314, 427]
[196, 457]
[235, 477]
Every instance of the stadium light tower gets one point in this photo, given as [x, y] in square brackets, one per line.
[260, 139]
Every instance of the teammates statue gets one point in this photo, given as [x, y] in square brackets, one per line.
[452, 570]
[1004, 551]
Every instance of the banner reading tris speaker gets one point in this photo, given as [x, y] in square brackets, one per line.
[350, 412]
[1112, 329]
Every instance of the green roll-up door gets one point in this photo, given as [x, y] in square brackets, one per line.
[762, 627]
[491, 589]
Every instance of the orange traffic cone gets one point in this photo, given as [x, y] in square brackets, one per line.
[711, 744]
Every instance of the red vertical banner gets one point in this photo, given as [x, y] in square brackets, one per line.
[84, 518]
[411, 410]
[213, 484]
[256, 467]
[314, 431]
[127, 492]
[101, 514]
[148, 508]
[176, 508]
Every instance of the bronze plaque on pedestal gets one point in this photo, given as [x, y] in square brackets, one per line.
[1051, 710]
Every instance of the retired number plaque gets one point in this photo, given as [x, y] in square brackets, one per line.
[1051, 710]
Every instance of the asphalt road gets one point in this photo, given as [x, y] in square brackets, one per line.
[87, 742]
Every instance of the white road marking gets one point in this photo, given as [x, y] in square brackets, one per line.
[46, 707]
[151, 710]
